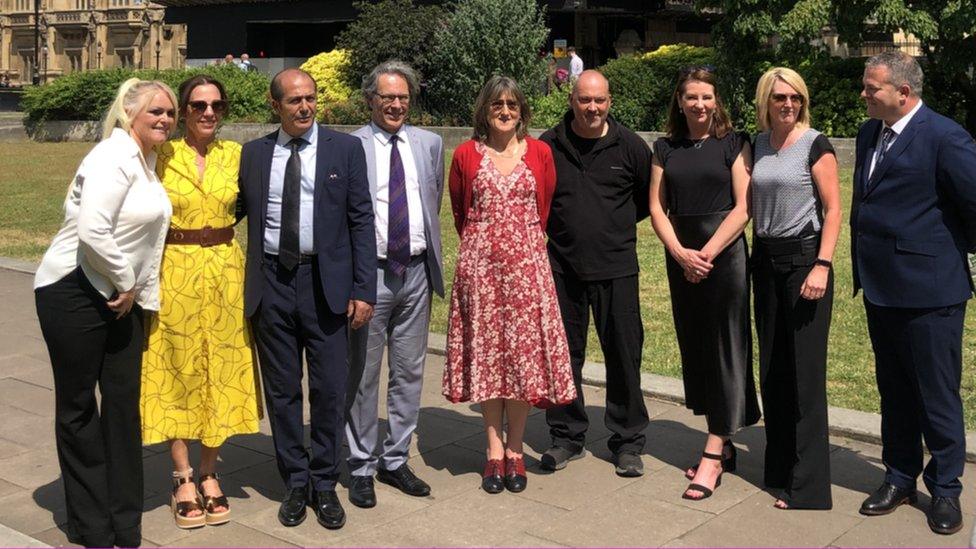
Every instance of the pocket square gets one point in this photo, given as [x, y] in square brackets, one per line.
[333, 176]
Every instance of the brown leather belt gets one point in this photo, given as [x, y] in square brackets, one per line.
[205, 237]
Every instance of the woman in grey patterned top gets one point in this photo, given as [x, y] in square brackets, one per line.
[796, 220]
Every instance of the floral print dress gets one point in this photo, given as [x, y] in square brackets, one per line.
[505, 336]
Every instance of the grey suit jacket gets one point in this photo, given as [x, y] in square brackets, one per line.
[428, 156]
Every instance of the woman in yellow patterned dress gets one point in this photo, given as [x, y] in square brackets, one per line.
[198, 377]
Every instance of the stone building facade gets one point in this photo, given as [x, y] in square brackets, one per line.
[86, 34]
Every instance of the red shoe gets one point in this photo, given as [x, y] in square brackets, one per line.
[491, 480]
[515, 479]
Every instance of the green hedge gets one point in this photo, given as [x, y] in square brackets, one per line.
[86, 95]
[642, 85]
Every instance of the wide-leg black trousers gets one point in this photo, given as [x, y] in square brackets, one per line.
[99, 449]
[793, 370]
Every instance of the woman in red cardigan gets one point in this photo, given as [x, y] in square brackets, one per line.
[506, 346]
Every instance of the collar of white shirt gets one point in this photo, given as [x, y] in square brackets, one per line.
[385, 136]
[310, 136]
[899, 126]
[127, 145]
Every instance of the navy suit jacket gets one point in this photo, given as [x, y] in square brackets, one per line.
[343, 233]
[914, 219]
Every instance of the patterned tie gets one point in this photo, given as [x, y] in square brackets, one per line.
[291, 200]
[398, 218]
[886, 136]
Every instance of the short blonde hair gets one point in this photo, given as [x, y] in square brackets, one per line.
[764, 92]
[131, 100]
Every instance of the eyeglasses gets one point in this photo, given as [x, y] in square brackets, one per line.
[219, 106]
[389, 98]
[781, 98]
[496, 105]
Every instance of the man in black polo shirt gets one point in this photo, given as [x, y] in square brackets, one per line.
[603, 172]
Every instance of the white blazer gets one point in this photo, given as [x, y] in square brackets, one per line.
[116, 216]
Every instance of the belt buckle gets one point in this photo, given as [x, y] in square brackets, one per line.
[205, 237]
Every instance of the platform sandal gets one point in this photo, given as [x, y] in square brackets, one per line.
[212, 502]
[182, 509]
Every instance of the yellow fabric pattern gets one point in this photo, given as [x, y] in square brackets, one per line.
[198, 379]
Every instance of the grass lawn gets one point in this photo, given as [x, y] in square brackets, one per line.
[34, 178]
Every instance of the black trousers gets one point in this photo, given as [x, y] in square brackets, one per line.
[294, 318]
[616, 313]
[99, 450]
[793, 370]
[918, 364]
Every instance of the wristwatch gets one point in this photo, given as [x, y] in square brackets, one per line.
[823, 263]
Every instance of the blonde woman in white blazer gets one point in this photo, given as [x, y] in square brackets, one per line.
[96, 279]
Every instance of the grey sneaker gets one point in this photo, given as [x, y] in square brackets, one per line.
[629, 464]
[557, 458]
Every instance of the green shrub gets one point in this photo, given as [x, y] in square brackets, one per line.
[86, 95]
[330, 71]
[482, 38]
[389, 29]
[836, 107]
[548, 110]
[641, 85]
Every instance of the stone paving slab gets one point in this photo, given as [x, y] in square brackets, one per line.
[584, 505]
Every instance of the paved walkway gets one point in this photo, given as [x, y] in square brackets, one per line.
[584, 505]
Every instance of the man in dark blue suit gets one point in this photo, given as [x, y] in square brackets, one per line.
[311, 271]
[913, 219]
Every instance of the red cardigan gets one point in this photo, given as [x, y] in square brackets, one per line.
[464, 168]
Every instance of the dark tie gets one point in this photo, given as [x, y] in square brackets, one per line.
[398, 218]
[291, 201]
[886, 136]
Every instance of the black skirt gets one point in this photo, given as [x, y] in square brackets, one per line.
[711, 319]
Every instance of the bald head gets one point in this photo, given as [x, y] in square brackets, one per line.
[286, 78]
[591, 81]
[590, 102]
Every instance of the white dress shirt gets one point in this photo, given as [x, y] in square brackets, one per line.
[116, 216]
[307, 154]
[897, 127]
[384, 148]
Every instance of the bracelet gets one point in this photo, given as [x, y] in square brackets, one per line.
[823, 263]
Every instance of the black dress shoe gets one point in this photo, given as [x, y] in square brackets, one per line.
[404, 480]
[328, 509]
[945, 515]
[361, 492]
[887, 498]
[292, 510]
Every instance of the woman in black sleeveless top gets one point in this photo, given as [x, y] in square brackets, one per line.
[699, 187]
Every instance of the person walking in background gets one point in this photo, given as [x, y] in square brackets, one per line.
[405, 168]
[198, 379]
[99, 275]
[603, 170]
[575, 64]
[310, 275]
[699, 208]
[506, 347]
[913, 218]
[796, 221]
[245, 63]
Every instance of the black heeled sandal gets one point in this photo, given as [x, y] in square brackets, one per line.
[728, 463]
[706, 492]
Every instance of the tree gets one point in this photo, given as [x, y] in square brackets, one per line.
[757, 31]
[482, 38]
[389, 29]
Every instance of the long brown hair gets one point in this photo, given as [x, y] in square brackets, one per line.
[677, 126]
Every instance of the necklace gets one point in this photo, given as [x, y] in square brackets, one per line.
[506, 154]
[700, 142]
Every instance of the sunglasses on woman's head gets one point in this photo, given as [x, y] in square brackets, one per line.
[219, 106]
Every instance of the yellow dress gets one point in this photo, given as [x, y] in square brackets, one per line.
[198, 379]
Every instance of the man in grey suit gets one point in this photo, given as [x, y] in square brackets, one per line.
[405, 168]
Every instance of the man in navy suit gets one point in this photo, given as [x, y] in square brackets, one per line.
[311, 271]
[913, 219]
